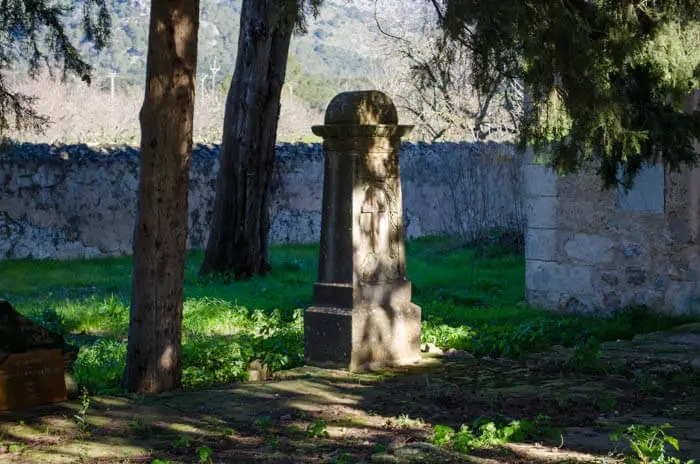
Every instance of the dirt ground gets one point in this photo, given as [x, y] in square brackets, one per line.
[652, 379]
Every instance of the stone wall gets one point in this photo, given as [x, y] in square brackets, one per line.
[69, 202]
[594, 249]
[590, 249]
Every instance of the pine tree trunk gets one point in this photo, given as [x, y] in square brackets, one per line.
[155, 326]
[238, 242]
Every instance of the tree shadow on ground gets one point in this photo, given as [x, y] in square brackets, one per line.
[389, 415]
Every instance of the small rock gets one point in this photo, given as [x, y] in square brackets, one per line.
[695, 364]
[430, 348]
[452, 353]
[286, 417]
[258, 371]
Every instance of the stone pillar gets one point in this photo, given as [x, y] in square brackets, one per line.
[362, 316]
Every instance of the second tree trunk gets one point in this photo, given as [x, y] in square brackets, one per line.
[238, 242]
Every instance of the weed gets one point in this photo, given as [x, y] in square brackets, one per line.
[229, 432]
[84, 455]
[342, 459]
[490, 433]
[404, 422]
[648, 443]
[606, 403]
[205, 454]
[472, 300]
[646, 383]
[183, 441]
[16, 447]
[100, 366]
[443, 435]
[379, 448]
[586, 356]
[317, 429]
[140, 427]
[212, 420]
[50, 319]
[81, 418]
[262, 424]
[127, 456]
[564, 400]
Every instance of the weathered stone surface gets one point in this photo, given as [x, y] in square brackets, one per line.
[695, 364]
[609, 278]
[362, 317]
[636, 276]
[553, 276]
[540, 244]
[539, 180]
[366, 108]
[74, 202]
[646, 195]
[362, 338]
[590, 249]
[605, 248]
[31, 379]
[541, 211]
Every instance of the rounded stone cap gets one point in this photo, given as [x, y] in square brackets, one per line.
[363, 108]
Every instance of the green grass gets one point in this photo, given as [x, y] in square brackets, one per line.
[472, 299]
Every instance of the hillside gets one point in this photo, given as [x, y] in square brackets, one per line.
[342, 49]
[337, 44]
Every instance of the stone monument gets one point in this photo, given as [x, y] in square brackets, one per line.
[362, 316]
[33, 362]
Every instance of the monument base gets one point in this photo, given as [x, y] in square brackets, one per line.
[362, 338]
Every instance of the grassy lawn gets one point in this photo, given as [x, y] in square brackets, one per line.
[472, 299]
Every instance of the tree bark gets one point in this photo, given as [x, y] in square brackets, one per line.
[238, 242]
[155, 326]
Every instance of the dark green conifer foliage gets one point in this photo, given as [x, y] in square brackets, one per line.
[32, 34]
[605, 79]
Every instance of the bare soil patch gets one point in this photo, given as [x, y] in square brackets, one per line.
[386, 416]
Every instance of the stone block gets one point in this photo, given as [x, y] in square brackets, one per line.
[539, 298]
[582, 216]
[539, 180]
[362, 317]
[19, 334]
[635, 276]
[31, 379]
[575, 303]
[612, 300]
[609, 278]
[540, 244]
[366, 337]
[646, 195]
[679, 228]
[556, 277]
[584, 185]
[540, 212]
[590, 249]
[679, 297]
